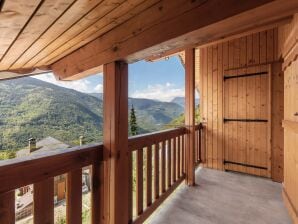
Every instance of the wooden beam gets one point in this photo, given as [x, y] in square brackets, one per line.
[168, 25]
[229, 35]
[13, 74]
[115, 142]
[190, 115]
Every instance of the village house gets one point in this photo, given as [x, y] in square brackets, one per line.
[24, 201]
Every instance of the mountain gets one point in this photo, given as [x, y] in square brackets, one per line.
[33, 108]
[151, 115]
[179, 121]
[180, 100]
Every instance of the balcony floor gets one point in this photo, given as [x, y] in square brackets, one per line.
[224, 198]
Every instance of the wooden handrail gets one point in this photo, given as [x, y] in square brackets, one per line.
[37, 167]
[140, 141]
[165, 153]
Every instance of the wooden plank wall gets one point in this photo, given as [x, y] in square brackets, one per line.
[245, 52]
[288, 49]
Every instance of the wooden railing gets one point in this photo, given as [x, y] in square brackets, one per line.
[157, 165]
[200, 149]
[40, 169]
[159, 159]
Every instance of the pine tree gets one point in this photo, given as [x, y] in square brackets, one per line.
[133, 122]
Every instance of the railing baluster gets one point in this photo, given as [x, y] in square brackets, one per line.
[44, 201]
[96, 193]
[156, 171]
[149, 175]
[200, 144]
[74, 197]
[179, 157]
[183, 154]
[130, 187]
[196, 147]
[7, 207]
[169, 162]
[139, 197]
[163, 167]
[174, 161]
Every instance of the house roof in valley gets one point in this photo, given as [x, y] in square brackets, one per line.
[46, 144]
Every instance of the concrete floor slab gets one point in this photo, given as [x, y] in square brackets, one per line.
[224, 198]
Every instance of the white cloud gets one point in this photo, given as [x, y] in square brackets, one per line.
[99, 88]
[82, 85]
[165, 92]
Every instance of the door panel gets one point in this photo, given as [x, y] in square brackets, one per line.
[246, 120]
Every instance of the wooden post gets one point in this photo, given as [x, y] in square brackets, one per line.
[43, 201]
[190, 115]
[7, 207]
[74, 197]
[115, 142]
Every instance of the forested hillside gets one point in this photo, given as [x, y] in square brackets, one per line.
[33, 108]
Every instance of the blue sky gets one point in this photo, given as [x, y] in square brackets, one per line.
[162, 80]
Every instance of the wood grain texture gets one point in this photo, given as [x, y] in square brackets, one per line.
[69, 18]
[149, 176]
[43, 197]
[234, 98]
[139, 36]
[115, 143]
[74, 197]
[190, 115]
[277, 133]
[7, 207]
[125, 11]
[36, 168]
[97, 192]
[38, 25]
[14, 16]
[289, 51]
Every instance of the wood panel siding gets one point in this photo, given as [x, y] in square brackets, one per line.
[288, 50]
[242, 98]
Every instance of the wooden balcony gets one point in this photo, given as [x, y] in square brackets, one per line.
[224, 197]
[157, 163]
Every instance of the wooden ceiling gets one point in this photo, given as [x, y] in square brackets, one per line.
[36, 33]
[74, 38]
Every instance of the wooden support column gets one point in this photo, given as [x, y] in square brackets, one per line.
[190, 115]
[115, 140]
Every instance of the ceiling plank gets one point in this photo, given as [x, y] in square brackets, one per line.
[35, 28]
[101, 11]
[78, 10]
[162, 22]
[13, 17]
[115, 18]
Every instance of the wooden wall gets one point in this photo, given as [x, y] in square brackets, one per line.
[288, 49]
[252, 51]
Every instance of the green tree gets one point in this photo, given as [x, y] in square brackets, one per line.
[7, 154]
[133, 122]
